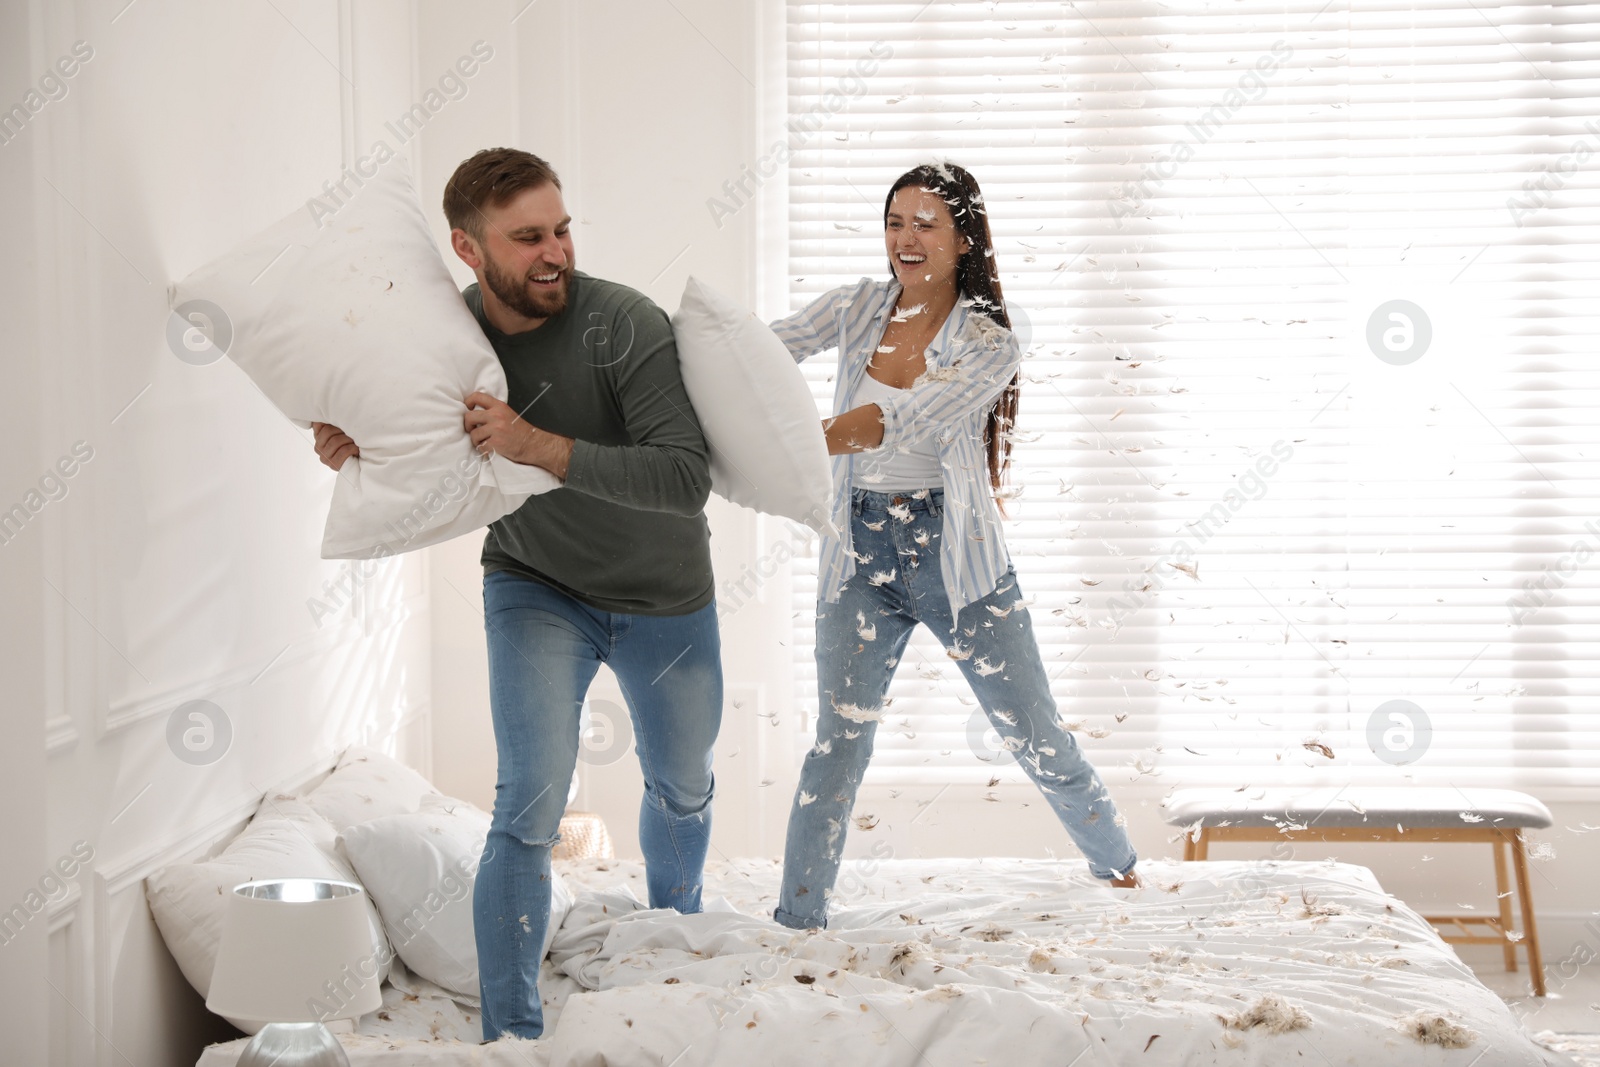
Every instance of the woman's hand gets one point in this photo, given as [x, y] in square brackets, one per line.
[333, 445]
[857, 430]
[496, 429]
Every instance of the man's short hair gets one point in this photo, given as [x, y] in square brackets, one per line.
[491, 177]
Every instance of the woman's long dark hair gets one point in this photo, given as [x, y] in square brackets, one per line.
[977, 279]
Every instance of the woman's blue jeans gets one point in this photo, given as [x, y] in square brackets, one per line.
[860, 640]
[544, 649]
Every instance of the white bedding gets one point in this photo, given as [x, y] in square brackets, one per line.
[983, 961]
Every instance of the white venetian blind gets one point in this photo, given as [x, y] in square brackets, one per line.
[1206, 212]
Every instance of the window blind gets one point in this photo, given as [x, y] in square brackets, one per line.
[1304, 484]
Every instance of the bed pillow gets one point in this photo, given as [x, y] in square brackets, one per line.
[365, 785]
[420, 870]
[767, 448]
[349, 317]
[285, 839]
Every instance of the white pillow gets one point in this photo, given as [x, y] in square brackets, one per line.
[365, 785]
[285, 839]
[767, 448]
[420, 870]
[350, 317]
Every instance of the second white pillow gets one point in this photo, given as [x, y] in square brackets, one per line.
[366, 784]
[420, 869]
[767, 448]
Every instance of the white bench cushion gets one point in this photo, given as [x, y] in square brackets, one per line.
[1420, 806]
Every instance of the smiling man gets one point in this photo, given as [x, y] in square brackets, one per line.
[614, 567]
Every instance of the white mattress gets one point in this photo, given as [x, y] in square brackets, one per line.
[982, 961]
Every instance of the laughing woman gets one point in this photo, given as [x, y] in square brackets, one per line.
[926, 394]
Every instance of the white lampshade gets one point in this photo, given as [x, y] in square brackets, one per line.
[296, 950]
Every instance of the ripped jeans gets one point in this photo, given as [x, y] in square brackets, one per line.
[544, 650]
[860, 639]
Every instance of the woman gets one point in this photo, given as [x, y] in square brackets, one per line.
[925, 397]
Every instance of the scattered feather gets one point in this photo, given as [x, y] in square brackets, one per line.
[1272, 1013]
[1432, 1028]
[856, 713]
[868, 632]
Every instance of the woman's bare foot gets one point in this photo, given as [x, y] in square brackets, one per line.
[1127, 881]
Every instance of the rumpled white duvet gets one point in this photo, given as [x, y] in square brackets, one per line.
[999, 961]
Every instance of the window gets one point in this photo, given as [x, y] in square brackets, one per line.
[1305, 474]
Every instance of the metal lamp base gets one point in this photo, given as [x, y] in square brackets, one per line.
[294, 1045]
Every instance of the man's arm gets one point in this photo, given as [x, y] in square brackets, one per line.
[813, 328]
[667, 468]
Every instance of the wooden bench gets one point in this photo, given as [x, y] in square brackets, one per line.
[1496, 817]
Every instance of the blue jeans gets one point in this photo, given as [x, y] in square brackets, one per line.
[544, 650]
[853, 675]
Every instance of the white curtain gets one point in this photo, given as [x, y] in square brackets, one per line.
[1305, 478]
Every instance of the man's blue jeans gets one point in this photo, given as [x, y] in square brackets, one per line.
[544, 649]
[860, 640]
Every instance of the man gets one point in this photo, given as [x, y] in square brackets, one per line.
[613, 567]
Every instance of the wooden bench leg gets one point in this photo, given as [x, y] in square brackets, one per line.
[1202, 847]
[1188, 845]
[1530, 932]
[1502, 898]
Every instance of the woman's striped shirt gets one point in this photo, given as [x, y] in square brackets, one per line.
[969, 364]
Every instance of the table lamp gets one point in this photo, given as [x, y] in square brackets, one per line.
[295, 953]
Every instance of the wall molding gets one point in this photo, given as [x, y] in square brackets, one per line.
[63, 912]
[138, 864]
[60, 733]
[71, 940]
[130, 711]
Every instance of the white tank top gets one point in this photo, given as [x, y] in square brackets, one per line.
[914, 466]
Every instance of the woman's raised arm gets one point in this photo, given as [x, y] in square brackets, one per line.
[815, 327]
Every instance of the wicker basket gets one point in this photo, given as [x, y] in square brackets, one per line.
[583, 837]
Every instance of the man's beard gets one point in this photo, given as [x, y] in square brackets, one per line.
[512, 291]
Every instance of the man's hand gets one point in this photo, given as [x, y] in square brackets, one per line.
[333, 446]
[495, 428]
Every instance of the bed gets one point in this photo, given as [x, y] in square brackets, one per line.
[936, 962]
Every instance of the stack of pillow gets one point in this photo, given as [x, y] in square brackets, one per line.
[373, 821]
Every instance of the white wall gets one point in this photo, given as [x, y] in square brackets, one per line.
[23, 841]
[179, 563]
